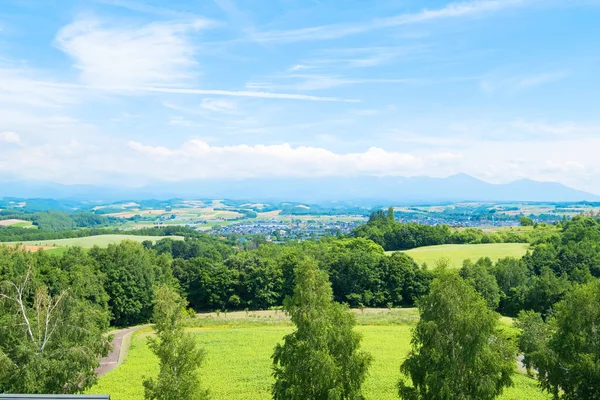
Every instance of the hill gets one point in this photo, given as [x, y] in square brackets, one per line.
[397, 190]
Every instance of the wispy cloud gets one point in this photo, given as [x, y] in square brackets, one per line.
[27, 87]
[357, 57]
[243, 93]
[514, 84]
[540, 79]
[112, 55]
[308, 82]
[335, 31]
[10, 137]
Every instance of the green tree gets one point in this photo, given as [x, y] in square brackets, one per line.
[258, 280]
[458, 351]
[390, 214]
[512, 276]
[177, 352]
[131, 272]
[545, 290]
[404, 280]
[208, 284]
[49, 342]
[533, 336]
[567, 352]
[321, 359]
[479, 275]
[525, 221]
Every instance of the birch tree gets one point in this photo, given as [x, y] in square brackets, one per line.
[49, 342]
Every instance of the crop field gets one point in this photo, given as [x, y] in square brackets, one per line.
[19, 223]
[457, 253]
[199, 213]
[238, 363]
[91, 241]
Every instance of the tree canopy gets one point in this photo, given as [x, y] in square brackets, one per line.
[565, 351]
[178, 354]
[458, 352]
[321, 359]
[52, 333]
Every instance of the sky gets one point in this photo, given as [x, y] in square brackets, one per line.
[135, 92]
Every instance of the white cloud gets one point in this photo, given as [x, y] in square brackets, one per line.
[84, 159]
[219, 105]
[453, 10]
[116, 56]
[197, 159]
[299, 67]
[157, 151]
[10, 137]
[27, 87]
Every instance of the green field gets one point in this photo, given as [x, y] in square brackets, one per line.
[238, 363]
[457, 253]
[91, 241]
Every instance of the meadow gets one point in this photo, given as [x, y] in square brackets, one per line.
[457, 253]
[238, 359]
[91, 241]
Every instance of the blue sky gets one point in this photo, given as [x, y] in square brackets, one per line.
[132, 92]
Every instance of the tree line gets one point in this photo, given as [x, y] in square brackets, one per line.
[383, 229]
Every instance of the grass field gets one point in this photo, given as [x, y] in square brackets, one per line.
[457, 253]
[91, 241]
[238, 363]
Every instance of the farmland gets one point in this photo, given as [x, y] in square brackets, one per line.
[457, 253]
[238, 360]
[19, 223]
[91, 241]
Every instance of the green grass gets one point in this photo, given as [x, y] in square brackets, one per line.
[238, 364]
[252, 319]
[457, 253]
[27, 224]
[91, 241]
[59, 251]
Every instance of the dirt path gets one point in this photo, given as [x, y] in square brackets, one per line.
[119, 351]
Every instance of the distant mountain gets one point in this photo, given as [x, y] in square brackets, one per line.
[370, 189]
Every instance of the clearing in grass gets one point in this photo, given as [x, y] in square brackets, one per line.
[17, 223]
[457, 253]
[238, 361]
[91, 241]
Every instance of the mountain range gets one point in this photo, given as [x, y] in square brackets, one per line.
[396, 190]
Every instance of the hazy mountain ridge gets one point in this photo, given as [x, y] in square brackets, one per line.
[422, 189]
